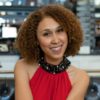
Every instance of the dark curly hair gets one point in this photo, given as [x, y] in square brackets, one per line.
[26, 42]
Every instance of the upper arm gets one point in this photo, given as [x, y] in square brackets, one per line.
[80, 87]
[22, 89]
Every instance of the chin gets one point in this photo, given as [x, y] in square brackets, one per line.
[57, 57]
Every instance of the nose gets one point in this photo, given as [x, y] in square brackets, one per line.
[55, 38]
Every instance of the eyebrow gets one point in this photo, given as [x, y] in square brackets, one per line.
[50, 29]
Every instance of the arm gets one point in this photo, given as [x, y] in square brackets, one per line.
[22, 89]
[80, 86]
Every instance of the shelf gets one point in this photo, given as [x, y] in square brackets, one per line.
[13, 16]
[18, 8]
[97, 10]
[6, 72]
[5, 39]
[9, 54]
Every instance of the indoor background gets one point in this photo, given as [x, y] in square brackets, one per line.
[13, 13]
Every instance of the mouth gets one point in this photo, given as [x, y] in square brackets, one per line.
[56, 49]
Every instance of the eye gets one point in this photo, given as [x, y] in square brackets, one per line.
[46, 34]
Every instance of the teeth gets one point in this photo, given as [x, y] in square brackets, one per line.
[56, 48]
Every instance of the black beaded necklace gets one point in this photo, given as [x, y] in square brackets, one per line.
[55, 68]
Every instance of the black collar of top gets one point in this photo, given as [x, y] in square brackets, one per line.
[54, 68]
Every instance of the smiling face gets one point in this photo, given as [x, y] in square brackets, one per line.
[52, 39]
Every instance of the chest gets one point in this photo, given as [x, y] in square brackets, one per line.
[46, 86]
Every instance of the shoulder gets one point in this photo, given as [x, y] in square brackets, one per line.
[21, 77]
[78, 75]
[80, 82]
[20, 65]
[22, 68]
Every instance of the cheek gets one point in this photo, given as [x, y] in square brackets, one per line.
[65, 41]
[64, 38]
[43, 42]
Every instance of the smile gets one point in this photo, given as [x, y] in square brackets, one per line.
[57, 48]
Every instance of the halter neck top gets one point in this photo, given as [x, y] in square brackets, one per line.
[48, 86]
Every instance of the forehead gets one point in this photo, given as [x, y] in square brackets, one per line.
[48, 22]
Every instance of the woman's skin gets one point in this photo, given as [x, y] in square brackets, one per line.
[53, 41]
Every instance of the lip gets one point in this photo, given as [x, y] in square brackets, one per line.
[56, 49]
[56, 46]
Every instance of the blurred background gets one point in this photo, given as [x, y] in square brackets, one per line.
[12, 15]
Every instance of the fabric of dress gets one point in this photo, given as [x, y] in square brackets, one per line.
[48, 86]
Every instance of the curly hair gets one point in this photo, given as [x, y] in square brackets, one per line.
[26, 42]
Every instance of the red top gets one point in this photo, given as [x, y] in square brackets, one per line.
[47, 86]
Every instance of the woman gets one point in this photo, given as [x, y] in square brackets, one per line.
[45, 40]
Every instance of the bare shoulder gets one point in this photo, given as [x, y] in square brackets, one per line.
[22, 89]
[25, 69]
[20, 70]
[78, 75]
[80, 82]
[20, 66]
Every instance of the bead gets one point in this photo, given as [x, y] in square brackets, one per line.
[54, 68]
[46, 67]
[54, 73]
